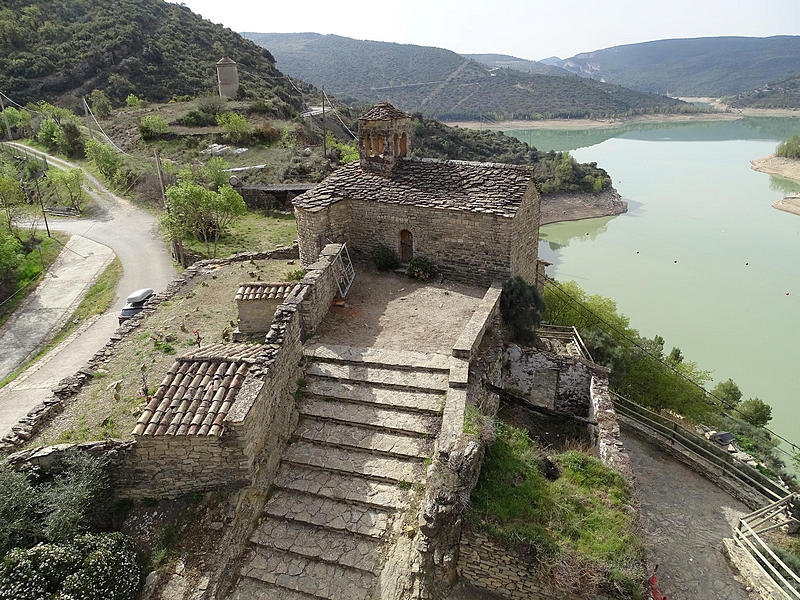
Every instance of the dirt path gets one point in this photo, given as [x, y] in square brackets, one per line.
[685, 517]
[134, 236]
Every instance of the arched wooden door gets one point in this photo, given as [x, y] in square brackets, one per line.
[406, 246]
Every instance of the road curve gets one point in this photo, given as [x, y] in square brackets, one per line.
[134, 236]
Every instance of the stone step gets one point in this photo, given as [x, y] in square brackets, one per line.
[330, 513]
[300, 574]
[387, 419]
[342, 486]
[385, 377]
[430, 402]
[384, 468]
[326, 545]
[378, 357]
[255, 589]
[334, 433]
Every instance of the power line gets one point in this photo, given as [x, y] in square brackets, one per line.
[333, 108]
[117, 148]
[625, 336]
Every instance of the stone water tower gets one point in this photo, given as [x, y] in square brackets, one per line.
[228, 77]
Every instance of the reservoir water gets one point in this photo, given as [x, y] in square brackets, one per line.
[731, 302]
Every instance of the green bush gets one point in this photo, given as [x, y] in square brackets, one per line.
[197, 118]
[236, 128]
[420, 267]
[296, 275]
[266, 133]
[790, 148]
[104, 157]
[755, 411]
[384, 258]
[90, 567]
[211, 105]
[153, 126]
[101, 106]
[521, 306]
[133, 101]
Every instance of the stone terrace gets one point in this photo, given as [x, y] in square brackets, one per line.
[394, 312]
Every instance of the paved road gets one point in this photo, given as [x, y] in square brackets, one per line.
[134, 237]
[685, 518]
[47, 308]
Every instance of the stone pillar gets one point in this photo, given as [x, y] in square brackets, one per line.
[227, 77]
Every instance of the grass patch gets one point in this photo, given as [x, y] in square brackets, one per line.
[253, 232]
[95, 302]
[32, 267]
[580, 528]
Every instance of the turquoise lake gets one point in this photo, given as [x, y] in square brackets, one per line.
[694, 199]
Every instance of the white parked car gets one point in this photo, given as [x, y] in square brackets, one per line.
[135, 303]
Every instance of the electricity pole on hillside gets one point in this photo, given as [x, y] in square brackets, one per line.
[324, 131]
[88, 121]
[5, 117]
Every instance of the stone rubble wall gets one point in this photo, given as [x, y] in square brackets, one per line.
[572, 383]
[525, 226]
[69, 387]
[605, 434]
[50, 457]
[491, 567]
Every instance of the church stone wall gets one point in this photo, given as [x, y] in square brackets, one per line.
[525, 227]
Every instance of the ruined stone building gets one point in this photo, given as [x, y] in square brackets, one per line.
[477, 222]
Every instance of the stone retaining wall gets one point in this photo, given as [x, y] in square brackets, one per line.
[491, 567]
[606, 434]
[69, 387]
[258, 423]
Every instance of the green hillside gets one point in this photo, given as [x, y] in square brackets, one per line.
[505, 61]
[712, 66]
[442, 84]
[52, 49]
[780, 94]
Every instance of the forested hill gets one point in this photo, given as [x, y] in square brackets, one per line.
[712, 66]
[442, 84]
[505, 61]
[55, 48]
[779, 94]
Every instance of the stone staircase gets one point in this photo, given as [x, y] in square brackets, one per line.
[367, 423]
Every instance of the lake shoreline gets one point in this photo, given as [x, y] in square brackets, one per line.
[777, 165]
[790, 204]
[576, 206]
[574, 124]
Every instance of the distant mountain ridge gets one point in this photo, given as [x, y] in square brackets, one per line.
[778, 94]
[710, 66]
[442, 84]
[505, 61]
[50, 49]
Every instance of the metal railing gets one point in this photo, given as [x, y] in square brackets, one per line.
[747, 536]
[567, 334]
[709, 451]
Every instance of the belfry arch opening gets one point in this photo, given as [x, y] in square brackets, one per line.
[406, 246]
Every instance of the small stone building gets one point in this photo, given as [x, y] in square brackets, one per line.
[257, 302]
[477, 222]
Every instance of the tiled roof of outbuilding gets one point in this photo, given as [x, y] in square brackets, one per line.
[261, 290]
[492, 188]
[383, 112]
[198, 391]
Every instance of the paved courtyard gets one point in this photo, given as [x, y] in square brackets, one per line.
[685, 517]
[389, 310]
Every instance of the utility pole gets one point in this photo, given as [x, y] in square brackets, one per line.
[161, 181]
[88, 121]
[41, 204]
[324, 130]
[5, 117]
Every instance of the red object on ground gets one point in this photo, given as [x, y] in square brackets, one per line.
[654, 589]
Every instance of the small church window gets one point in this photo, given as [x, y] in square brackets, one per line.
[396, 144]
[403, 145]
[379, 147]
[368, 145]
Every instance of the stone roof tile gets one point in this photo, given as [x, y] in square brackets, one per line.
[383, 112]
[492, 188]
[198, 390]
[261, 290]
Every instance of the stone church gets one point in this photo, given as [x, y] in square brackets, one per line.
[477, 222]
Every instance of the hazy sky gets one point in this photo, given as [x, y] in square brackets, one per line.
[529, 29]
